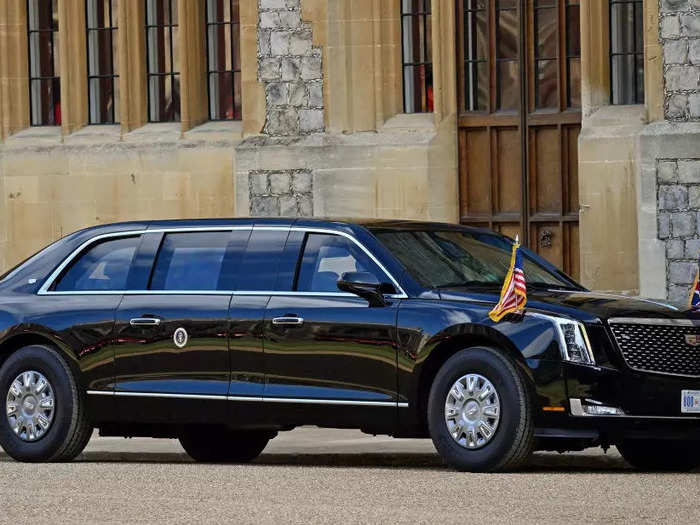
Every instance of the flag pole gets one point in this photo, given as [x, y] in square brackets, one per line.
[517, 242]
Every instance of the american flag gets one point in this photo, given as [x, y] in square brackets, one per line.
[694, 300]
[514, 292]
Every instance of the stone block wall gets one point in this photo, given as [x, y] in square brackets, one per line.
[671, 156]
[285, 193]
[679, 222]
[291, 69]
[680, 38]
[50, 187]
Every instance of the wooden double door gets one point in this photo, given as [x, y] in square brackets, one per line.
[519, 85]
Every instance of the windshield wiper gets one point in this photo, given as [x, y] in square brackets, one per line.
[465, 284]
[551, 286]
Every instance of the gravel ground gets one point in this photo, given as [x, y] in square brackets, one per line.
[334, 476]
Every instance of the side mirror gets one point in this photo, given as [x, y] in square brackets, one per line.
[365, 285]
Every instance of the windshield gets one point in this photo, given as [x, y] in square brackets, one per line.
[444, 259]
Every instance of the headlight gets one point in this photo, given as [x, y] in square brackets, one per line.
[573, 342]
[573, 339]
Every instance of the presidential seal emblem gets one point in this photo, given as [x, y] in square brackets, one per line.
[180, 337]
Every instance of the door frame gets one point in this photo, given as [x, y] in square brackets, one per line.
[525, 119]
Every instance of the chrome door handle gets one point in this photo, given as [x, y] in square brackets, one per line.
[288, 320]
[144, 321]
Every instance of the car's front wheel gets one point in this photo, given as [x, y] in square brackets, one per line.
[480, 413]
[661, 455]
[224, 445]
[44, 412]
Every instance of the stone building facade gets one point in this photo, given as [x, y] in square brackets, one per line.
[371, 108]
[670, 161]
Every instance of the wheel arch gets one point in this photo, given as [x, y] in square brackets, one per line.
[458, 339]
[15, 342]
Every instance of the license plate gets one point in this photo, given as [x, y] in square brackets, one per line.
[690, 401]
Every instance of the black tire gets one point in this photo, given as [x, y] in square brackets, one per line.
[224, 445]
[70, 429]
[513, 441]
[661, 455]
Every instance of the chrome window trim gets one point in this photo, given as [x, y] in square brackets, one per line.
[256, 399]
[653, 321]
[45, 288]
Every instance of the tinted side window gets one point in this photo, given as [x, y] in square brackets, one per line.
[258, 271]
[327, 257]
[190, 261]
[103, 267]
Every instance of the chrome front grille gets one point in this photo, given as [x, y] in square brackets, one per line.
[659, 345]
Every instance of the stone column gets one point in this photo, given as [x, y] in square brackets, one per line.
[132, 66]
[73, 68]
[193, 63]
[14, 113]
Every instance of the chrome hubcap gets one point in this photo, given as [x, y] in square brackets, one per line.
[472, 411]
[30, 406]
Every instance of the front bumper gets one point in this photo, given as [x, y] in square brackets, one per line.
[649, 404]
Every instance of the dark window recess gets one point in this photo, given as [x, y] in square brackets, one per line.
[507, 56]
[102, 58]
[573, 53]
[190, 261]
[163, 60]
[224, 59]
[416, 40]
[626, 52]
[476, 55]
[44, 64]
[326, 258]
[104, 267]
[259, 267]
[546, 21]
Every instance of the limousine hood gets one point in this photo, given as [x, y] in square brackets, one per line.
[586, 306]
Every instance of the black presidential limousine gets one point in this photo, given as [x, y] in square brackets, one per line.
[223, 333]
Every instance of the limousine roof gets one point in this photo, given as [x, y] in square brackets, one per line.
[331, 223]
[42, 263]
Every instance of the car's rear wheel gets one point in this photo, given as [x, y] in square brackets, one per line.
[661, 455]
[480, 413]
[224, 445]
[44, 412]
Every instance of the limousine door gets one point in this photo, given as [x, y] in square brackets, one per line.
[325, 349]
[171, 357]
